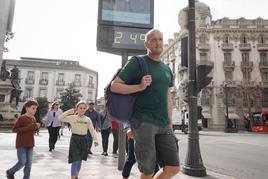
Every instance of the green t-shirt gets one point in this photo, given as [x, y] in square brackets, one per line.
[151, 105]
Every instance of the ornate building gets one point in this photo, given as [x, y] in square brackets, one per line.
[50, 77]
[238, 48]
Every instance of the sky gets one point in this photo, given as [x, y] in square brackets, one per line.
[67, 29]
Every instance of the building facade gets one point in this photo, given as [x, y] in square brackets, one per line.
[238, 49]
[50, 77]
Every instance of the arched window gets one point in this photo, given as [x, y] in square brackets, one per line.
[261, 39]
[244, 39]
[226, 39]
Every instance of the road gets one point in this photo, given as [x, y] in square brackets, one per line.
[242, 155]
[239, 155]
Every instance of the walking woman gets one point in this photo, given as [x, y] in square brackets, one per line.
[53, 124]
[25, 128]
[80, 124]
[105, 132]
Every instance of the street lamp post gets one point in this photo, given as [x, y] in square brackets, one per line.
[226, 107]
[193, 165]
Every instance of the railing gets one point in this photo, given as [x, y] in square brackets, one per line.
[43, 81]
[227, 46]
[262, 46]
[77, 83]
[245, 46]
[203, 46]
[29, 81]
[60, 82]
[229, 65]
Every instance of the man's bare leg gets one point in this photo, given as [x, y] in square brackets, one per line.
[143, 176]
[167, 172]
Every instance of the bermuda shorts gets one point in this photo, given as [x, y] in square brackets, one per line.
[154, 144]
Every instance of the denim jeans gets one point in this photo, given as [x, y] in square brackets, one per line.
[25, 156]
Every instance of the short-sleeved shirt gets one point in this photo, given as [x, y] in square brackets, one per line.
[151, 105]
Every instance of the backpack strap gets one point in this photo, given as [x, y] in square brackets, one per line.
[142, 64]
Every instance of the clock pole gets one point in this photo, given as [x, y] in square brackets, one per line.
[122, 134]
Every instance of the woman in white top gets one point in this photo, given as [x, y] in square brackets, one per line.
[80, 124]
[53, 124]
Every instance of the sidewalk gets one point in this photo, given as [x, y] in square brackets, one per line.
[54, 165]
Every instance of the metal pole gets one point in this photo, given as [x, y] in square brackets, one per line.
[122, 135]
[226, 108]
[193, 165]
[3, 25]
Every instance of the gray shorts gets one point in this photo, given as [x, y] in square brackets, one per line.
[154, 144]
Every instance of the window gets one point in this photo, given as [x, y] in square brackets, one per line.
[227, 59]
[226, 39]
[261, 39]
[263, 59]
[42, 92]
[77, 77]
[90, 80]
[59, 92]
[243, 39]
[203, 38]
[264, 76]
[44, 76]
[228, 76]
[203, 57]
[2, 98]
[245, 58]
[90, 96]
[28, 92]
[61, 77]
[30, 75]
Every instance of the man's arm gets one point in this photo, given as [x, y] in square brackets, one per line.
[119, 86]
[169, 94]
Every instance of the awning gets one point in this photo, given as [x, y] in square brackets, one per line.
[206, 115]
[233, 116]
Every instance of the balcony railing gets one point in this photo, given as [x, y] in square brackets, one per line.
[247, 65]
[227, 46]
[43, 81]
[77, 83]
[262, 46]
[245, 46]
[229, 65]
[90, 85]
[29, 81]
[203, 46]
[60, 82]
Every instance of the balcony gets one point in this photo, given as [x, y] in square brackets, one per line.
[264, 84]
[228, 66]
[248, 83]
[29, 81]
[203, 46]
[263, 66]
[60, 82]
[247, 66]
[77, 83]
[43, 81]
[227, 46]
[261, 47]
[245, 46]
[90, 85]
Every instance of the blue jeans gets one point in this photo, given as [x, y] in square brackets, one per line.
[25, 156]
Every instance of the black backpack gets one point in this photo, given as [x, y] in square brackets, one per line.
[119, 107]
